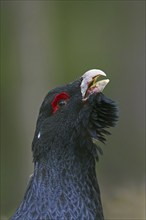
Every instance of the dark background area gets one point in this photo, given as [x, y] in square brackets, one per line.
[48, 43]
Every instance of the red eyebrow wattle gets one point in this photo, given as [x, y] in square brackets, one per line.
[58, 97]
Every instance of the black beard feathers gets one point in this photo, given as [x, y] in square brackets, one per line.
[94, 119]
[104, 115]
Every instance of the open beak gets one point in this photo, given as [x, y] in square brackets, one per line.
[90, 83]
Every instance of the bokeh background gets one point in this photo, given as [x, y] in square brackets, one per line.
[49, 43]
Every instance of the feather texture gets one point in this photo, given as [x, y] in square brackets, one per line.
[64, 185]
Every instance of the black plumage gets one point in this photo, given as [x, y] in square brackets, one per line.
[64, 184]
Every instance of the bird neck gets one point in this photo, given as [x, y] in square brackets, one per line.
[64, 163]
[64, 178]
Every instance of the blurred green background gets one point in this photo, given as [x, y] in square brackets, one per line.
[49, 43]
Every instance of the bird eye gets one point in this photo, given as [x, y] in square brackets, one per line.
[59, 101]
[62, 102]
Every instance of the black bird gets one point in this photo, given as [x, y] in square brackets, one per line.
[64, 184]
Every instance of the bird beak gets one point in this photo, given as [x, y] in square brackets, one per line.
[90, 85]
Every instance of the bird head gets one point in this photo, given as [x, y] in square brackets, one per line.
[77, 112]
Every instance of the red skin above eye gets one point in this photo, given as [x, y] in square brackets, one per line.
[57, 98]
